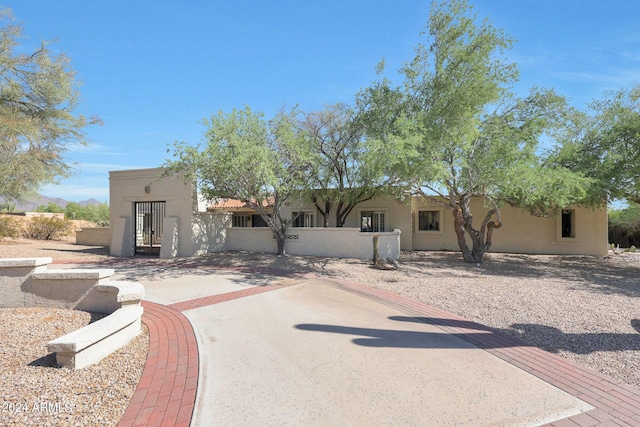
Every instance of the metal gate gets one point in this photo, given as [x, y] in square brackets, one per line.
[149, 217]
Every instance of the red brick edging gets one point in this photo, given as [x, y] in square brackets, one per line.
[215, 299]
[166, 393]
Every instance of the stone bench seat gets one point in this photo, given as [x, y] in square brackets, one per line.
[92, 343]
[28, 282]
[74, 274]
[111, 296]
[24, 262]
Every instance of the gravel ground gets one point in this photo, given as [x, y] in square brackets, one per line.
[586, 309]
[33, 391]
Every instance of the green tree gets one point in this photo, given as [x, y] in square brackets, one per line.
[604, 143]
[50, 207]
[453, 132]
[73, 210]
[261, 163]
[628, 214]
[98, 213]
[341, 175]
[94, 213]
[38, 96]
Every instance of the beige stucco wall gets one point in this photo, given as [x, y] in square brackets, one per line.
[148, 185]
[521, 232]
[317, 241]
[210, 232]
[397, 216]
[94, 236]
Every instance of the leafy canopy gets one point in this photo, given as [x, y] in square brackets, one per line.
[245, 157]
[604, 143]
[453, 131]
[341, 174]
[38, 96]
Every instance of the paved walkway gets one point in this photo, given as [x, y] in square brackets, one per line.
[172, 391]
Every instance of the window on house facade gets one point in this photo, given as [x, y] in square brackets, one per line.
[303, 219]
[372, 221]
[568, 223]
[240, 220]
[429, 221]
[257, 221]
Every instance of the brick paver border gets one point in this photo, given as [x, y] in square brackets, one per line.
[166, 393]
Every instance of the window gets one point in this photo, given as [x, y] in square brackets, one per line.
[240, 220]
[257, 221]
[372, 221]
[568, 225]
[303, 219]
[429, 221]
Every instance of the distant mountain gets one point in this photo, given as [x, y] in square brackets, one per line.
[89, 202]
[41, 200]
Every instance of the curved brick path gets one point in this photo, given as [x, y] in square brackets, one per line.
[167, 390]
[166, 393]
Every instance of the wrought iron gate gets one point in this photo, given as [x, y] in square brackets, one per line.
[149, 217]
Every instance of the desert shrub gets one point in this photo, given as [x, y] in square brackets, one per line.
[43, 228]
[8, 227]
[624, 226]
[625, 235]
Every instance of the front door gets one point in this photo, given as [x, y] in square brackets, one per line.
[149, 217]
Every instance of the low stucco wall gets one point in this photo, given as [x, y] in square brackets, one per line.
[324, 242]
[98, 236]
[397, 216]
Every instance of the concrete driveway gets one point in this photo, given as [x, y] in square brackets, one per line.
[315, 352]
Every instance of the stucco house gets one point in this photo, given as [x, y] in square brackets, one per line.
[163, 215]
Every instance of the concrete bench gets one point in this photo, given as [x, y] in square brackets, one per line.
[13, 273]
[27, 282]
[111, 296]
[92, 343]
[24, 262]
[93, 274]
[64, 288]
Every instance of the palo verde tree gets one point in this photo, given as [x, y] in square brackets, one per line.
[341, 175]
[38, 96]
[452, 132]
[604, 143]
[247, 158]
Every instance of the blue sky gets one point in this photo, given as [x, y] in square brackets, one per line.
[153, 70]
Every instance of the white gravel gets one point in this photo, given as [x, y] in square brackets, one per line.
[33, 392]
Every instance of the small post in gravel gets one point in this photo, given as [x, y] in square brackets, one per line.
[375, 248]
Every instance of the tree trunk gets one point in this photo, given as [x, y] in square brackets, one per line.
[479, 244]
[459, 224]
[326, 212]
[280, 240]
[325, 218]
